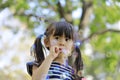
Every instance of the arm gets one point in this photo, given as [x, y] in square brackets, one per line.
[40, 73]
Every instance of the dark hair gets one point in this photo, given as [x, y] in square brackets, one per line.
[78, 60]
[58, 28]
[36, 50]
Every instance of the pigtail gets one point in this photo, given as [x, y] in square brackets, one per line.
[38, 52]
[78, 61]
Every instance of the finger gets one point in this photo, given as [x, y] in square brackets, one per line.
[56, 50]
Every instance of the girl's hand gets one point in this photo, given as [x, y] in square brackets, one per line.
[54, 51]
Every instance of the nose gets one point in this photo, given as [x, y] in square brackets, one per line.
[62, 42]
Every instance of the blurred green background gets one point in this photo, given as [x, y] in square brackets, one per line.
[97, 21]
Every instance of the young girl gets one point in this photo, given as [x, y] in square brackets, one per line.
[51, 52]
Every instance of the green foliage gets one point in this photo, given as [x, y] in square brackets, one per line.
[104, 14]
[21, 4]
[106, 42]
[5, 4]
[110, 62]
[106, 45]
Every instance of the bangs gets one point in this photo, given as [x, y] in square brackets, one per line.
[63, 28]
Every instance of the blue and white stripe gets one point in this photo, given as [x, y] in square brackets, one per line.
[60, 72]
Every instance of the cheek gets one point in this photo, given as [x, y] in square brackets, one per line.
[70, 45]
[53, 42]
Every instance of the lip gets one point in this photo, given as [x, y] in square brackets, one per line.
[60, 48]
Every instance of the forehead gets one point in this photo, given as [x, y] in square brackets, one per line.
[63, 29]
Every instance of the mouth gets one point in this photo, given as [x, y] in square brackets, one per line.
[63, 50]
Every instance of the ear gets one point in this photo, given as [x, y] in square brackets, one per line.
[46, 42]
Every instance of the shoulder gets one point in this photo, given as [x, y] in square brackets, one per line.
[34, 68]
[31, 66]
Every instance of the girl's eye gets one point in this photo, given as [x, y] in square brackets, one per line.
[56, 37]
[66, 39]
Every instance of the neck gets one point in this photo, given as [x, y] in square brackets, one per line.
[61, 59]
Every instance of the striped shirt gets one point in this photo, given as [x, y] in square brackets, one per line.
[59, 72]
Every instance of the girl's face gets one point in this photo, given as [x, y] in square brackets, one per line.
[64, 44]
